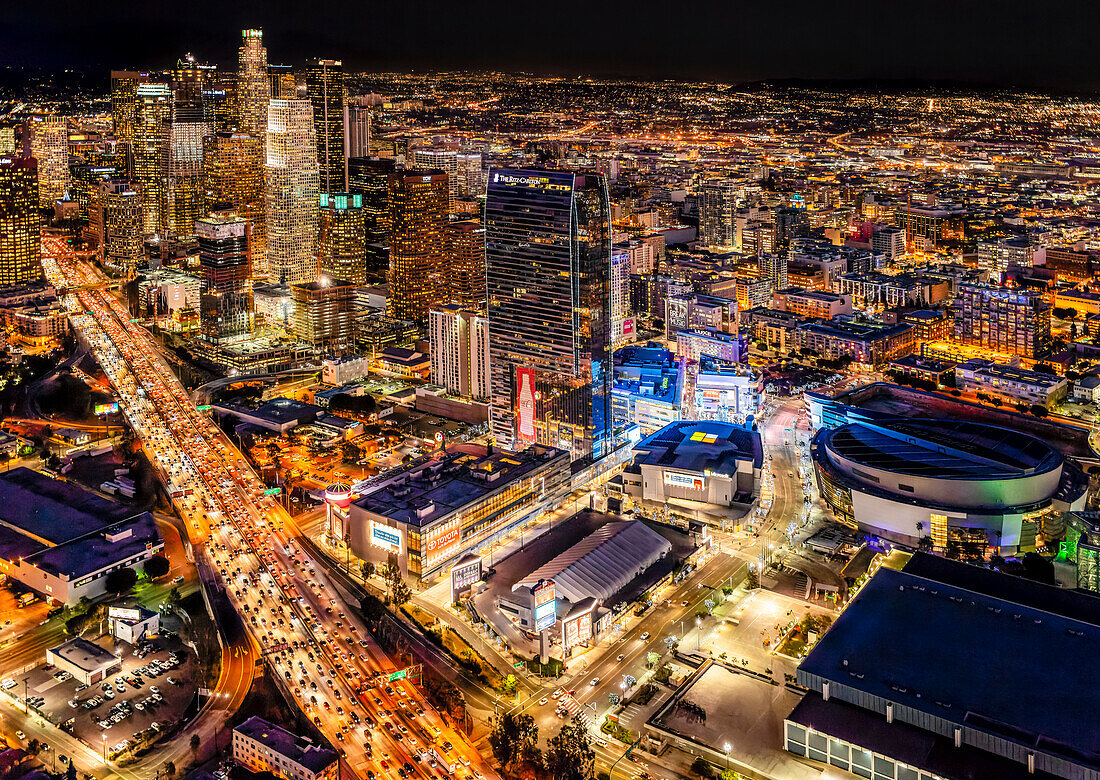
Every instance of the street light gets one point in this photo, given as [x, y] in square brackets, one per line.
[727, 747]
[104, 748]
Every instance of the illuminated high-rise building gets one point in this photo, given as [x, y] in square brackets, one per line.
[370, 177]
[226, 303]
[325, 87]
[20, 222]
[284, 82]
[357, 121]
[291, 192]
[87, 174]
[253, 87]
[717, 206]
[548, 263]
[324, 313]
[445, 160]
[341, 247]
[465, 265]
[219, 102]
[124, 102]
[418, 214]
[185, 199]
[116, 215]
[150, 153]
[11, 134]
[49, 134]
[190, 81]
[233, 178]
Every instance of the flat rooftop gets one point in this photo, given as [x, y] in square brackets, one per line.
[961, 651]
[444, 484]
[300, 750]
[700, 446]
[52, 511]
[85, 655]
[95, 552]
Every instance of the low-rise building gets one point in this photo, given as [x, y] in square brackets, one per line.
[866, 343]
[820, 304]
[700, 312]
[261, 746]
[692, 344]
[647, 387]
[938, 372]
[722, 390]
[1016, 385]
[85, 661]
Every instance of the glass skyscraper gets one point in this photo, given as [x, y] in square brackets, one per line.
[548, 267]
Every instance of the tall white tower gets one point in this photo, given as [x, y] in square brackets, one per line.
[292, 185]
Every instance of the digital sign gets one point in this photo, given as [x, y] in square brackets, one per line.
[464, 574]
[106, 408]
[577, 631]
[440, 544]
[545, 612]
[676, 479]
[525, 405]
[386, 537]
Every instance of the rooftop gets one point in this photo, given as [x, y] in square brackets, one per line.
[950, 668]
[84, 654]
[300, 750]
[700, 446]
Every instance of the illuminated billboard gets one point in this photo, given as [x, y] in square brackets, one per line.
[692, 481]
[386, 537]
[440, 544]
[545, 612]
[106, 408]
[464, 574]
[122, 613]
[525, 405]
[577, 631]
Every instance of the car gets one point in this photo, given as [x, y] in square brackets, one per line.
[620, 656]
[74, 703]
[644, 636]
[21, 735]
[177, 580]
[594, 681]
[173, 681]
[154, 689]
[543, 701]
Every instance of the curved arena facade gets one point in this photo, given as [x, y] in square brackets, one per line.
[952, 480]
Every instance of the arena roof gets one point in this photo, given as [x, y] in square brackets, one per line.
[945, 449]
[602, 563]
[973, 649]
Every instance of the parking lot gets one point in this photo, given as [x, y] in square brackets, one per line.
[145, 698]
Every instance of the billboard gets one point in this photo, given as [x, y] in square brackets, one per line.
[464, 574]
[525, 405]
[693, 481]
[106, 408]
[121, 613]
[545, 611]
[441, 543]
[386, 537]
[577, 631]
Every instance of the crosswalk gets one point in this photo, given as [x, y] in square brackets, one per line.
[574, 708]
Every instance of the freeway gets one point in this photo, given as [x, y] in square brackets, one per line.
[321, 654]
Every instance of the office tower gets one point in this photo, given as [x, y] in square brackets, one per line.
[291, 192]
[459, 346]
[465, 264]
[284, 83]
[189, 82]
[356, 131]
[185, 198]
[325, 88]
[444, 160]
[418, 213]
[1014, 322]
[49, 134]
[717, 206]
[11, 134]
[226, 303]
[253, 87]
[341, 247]
[87, 174]
[116, 214]
[790, 222]
[20, 222]
[150, 153]
[888, 240]
[621, 331]
[233, 178]
[548, 263]
[219, 102]
[773, 267]
[470, 175]
[370, 177]
[324, 313]
[124, 102]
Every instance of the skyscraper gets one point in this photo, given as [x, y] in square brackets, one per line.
[253, 87]
[356, 131]
[717, 204]
[459, 349]
[418, 214]
[20, 224]
[341, 247]
[370, 177]
[324, 313]
[465, 265]
[548, 263]
[124, 102]
[150, 153]
[233, 177]
[773, 267]
[445, 160]
[116, 214]
[325, 88]
[226, 303]
[185, 198]
[291, 192]
[50, 146]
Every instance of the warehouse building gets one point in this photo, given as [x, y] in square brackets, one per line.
[448, 505]
[586, 576]
[947, 671]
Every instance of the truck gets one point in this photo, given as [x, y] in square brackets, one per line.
[109, 487]
[437, 754]
[27, 598]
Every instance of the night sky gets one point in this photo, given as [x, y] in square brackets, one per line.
[1041, 43]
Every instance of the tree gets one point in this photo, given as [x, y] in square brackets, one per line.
[34, 747]
[70, 771]
[120, 581]
[569, 756]
[514, 738]
[925, 544]
[368, 570]
[170, 768]
[702, 767]
[156, 567]
[1039, 411]
[195, 742]
[400, 594]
